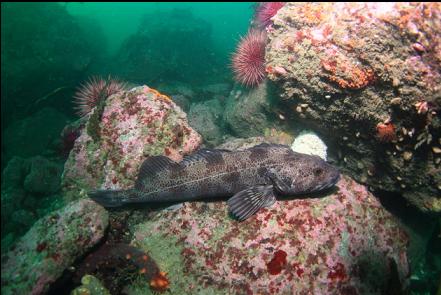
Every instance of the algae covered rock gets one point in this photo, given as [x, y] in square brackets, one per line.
[342, 242]
[117, 138]
[367, 76]
[249, 113]
[52, 245]
[44, 176]
[206, 118]
[29, 191]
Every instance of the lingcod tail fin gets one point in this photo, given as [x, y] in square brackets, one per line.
[110, 198]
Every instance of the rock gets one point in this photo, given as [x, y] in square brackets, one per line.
[182, 101]
[33, 135]
[216, 89]
[14, 173]
[342, 242]
[339, 64]
[174, 87]
[132, 126]
[22, 218]
[43, 177]
[28, 192]
[206, 118]
[50, 246]
[247, 113]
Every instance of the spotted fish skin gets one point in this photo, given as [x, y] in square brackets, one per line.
[254, 177]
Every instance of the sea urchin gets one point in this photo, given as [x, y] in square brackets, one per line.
[265, 11]
[249, 58]
[97, 89]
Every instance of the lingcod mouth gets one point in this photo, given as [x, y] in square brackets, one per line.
[335, 178]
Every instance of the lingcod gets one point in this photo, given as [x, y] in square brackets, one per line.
[254, 178]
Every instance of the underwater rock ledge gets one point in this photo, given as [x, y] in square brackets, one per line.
[367, 75]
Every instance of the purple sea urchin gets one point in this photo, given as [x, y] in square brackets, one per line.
[91, 93]
[265, 11]
[249, 59]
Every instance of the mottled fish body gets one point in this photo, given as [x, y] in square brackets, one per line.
[253, 177]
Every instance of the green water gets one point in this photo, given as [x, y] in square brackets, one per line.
[119, 20]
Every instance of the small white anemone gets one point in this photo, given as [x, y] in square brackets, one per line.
[307, 142]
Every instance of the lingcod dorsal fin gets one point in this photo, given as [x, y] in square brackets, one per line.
[210, 155]
[268, 145]
[152, 166]
[247, 202]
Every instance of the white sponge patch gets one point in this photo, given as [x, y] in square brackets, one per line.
[307, 142]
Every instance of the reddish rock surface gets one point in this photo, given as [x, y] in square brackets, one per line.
[132, 126]
[342, 243]
[52, 245]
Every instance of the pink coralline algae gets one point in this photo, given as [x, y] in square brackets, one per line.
[51, 246]
[342, 243]
[132, 126]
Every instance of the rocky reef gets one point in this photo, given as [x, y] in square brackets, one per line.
[367, 77]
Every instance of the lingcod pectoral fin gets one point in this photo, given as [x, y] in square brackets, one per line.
[247, 202]
[279, 184]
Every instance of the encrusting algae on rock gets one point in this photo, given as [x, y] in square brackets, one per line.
[344, 242]
[134, 125]
[370, 73]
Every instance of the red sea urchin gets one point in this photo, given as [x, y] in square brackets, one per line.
[249, 59]
[97, 89]
[265, 11]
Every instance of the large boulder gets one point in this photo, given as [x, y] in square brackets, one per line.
[344, 242]
[367, 77]
[118, 137]
[51, 246]
[44, 176]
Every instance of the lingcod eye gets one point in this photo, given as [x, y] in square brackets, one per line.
[318, 171]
